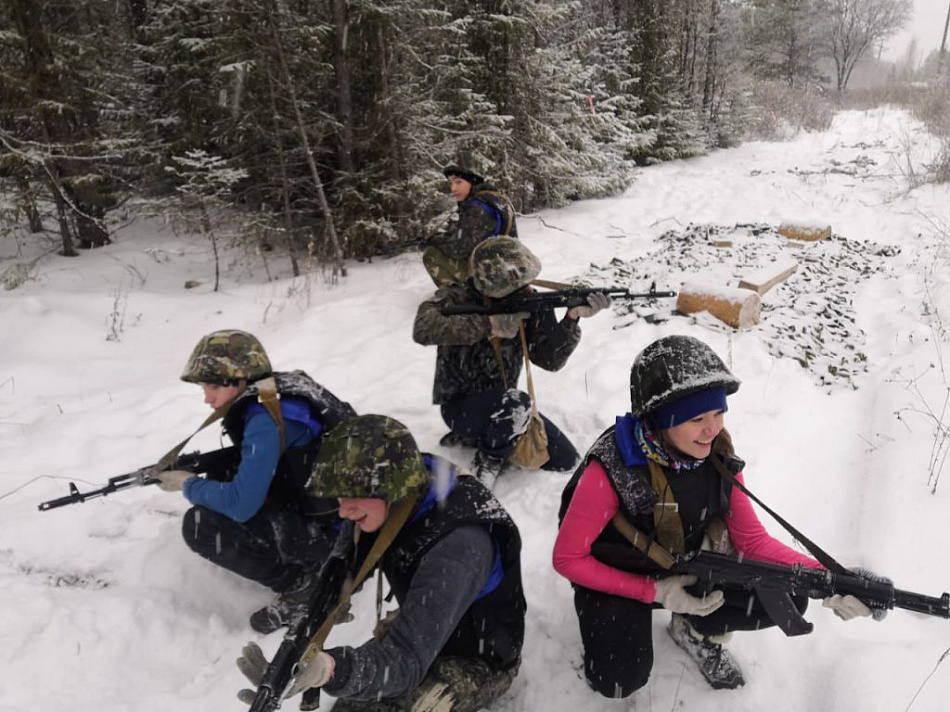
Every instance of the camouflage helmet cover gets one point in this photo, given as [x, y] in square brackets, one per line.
[502, 265]
[368, 456]
[227, 357]
[465, 169]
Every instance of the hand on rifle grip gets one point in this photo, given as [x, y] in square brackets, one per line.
[596, 302]
[671, 594]
[505, 326]
[172, 480]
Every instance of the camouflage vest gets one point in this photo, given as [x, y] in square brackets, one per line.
[637, 501]
[293, 469]
[493, 627]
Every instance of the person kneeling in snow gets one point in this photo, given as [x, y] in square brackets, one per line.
[658, 467]
[479, 358]
[451, 554]
[259, 522]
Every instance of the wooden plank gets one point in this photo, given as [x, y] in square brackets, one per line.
[762, 280]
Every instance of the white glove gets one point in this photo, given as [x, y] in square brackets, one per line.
[505, 326]
[596, 302]
[172, 480]
[314, 673]
[253, 665]
[671, 595]
[850, 607]
[846, 607]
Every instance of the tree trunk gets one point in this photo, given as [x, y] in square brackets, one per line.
[712, 46]
[284, 182]
[344, 98]
[336, 252]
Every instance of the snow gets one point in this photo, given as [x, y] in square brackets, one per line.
[102, 607]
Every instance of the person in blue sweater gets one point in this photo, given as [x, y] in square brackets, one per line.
[255, 519]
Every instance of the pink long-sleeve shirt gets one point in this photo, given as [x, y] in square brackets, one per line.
[595, 503]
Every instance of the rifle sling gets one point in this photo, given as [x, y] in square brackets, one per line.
[662, 557]
[823, 557]
[168, 459]
[527, 369]
[548, 284]
[267, 396]
[399, 514]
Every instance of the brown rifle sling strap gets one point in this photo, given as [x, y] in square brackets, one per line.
[644, 543]
[823, 557]
[168, 459]
[399, 514]
[527, 368]
[547, 284]
[666, 512]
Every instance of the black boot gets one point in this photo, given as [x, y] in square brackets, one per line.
[715, 663]
[486, 468]
[453, 439]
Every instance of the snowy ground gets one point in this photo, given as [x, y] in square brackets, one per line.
[103, 608]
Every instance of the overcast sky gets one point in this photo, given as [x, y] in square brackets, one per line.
[926, 25]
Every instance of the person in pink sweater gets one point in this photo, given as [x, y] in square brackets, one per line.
[654, 466]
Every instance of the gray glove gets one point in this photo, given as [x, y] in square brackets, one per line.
[505, 326]
[314, 673]
[596, 302]
[172, 480]
[670, 594]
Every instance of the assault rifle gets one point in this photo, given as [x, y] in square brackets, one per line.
[325, 596]
[221, 463]
[775, 584]
[538, 301]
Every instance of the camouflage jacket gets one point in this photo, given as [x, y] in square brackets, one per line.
[466, 363]
[484, 213]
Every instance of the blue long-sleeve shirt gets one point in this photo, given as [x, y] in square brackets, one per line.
[241, 498]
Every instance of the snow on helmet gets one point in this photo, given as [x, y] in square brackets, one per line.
[368, 456]
[502, 265]
[674, 367]
[226, 357]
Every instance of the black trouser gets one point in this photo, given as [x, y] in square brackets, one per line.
[275, 547]
[617, 634]
[497, 417]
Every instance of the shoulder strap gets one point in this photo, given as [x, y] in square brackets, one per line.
[268, 397]
[666, 513]
[548, 284]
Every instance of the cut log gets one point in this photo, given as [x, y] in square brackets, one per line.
[807, 233]
[739, 308]
[764, 279]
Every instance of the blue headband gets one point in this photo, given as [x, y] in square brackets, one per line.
[688, 407]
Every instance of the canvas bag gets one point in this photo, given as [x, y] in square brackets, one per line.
[531, 450]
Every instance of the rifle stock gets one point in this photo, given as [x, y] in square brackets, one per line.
[775, 584]
[540, 301]
[323, 600]
[216, 461]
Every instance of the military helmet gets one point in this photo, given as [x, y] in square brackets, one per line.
[502, 265]
[226, 357]
[368, 456]
[674, 367]
[465, 169]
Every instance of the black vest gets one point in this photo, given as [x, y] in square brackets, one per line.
[288, 489]
[708, 500]
[493, 626]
